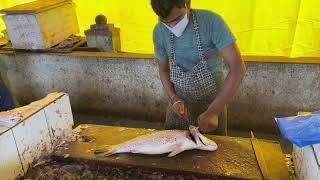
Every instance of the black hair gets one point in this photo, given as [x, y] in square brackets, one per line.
[163, 7]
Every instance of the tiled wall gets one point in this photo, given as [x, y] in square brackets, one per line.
[44, 124]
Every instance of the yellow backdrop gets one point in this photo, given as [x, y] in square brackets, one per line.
[263, 27]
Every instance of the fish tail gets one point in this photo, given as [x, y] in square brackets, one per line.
[105, 151]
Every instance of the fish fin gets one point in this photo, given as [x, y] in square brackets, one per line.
[105, 151]
[178, 149]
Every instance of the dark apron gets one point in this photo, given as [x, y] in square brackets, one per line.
[197, 88]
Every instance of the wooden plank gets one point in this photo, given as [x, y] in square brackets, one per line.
[48, 50]
[259, 155]
[270, 159]
[34, 7]
[234, 158]
[274, 159]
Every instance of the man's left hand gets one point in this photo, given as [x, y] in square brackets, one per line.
[208, 121]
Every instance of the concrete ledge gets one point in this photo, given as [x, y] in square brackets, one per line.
[131, 87]
[262, 59]
[44, 124]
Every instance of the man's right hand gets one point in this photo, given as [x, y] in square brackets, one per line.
[178, 107]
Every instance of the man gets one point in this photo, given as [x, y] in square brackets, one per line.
[189, 47]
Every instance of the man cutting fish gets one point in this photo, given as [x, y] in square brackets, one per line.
[190, 48]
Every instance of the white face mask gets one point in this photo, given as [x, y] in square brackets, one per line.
[179, 28]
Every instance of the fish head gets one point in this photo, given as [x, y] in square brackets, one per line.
[201, 141]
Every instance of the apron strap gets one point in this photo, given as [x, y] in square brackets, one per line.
[198, 38]
[198, 41]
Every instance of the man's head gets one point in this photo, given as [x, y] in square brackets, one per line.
[170, 12]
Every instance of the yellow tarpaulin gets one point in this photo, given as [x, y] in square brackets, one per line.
[288, 28]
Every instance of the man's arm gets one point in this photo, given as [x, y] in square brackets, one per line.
[164, 73]
[236, 72]
[208, 120]
[177, 105]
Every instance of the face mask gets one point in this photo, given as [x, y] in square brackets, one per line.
[179, 28]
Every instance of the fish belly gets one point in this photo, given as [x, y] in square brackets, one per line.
[161, 149]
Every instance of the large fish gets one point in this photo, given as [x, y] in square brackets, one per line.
[167, 141]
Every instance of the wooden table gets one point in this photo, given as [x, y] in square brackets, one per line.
[235, 157]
